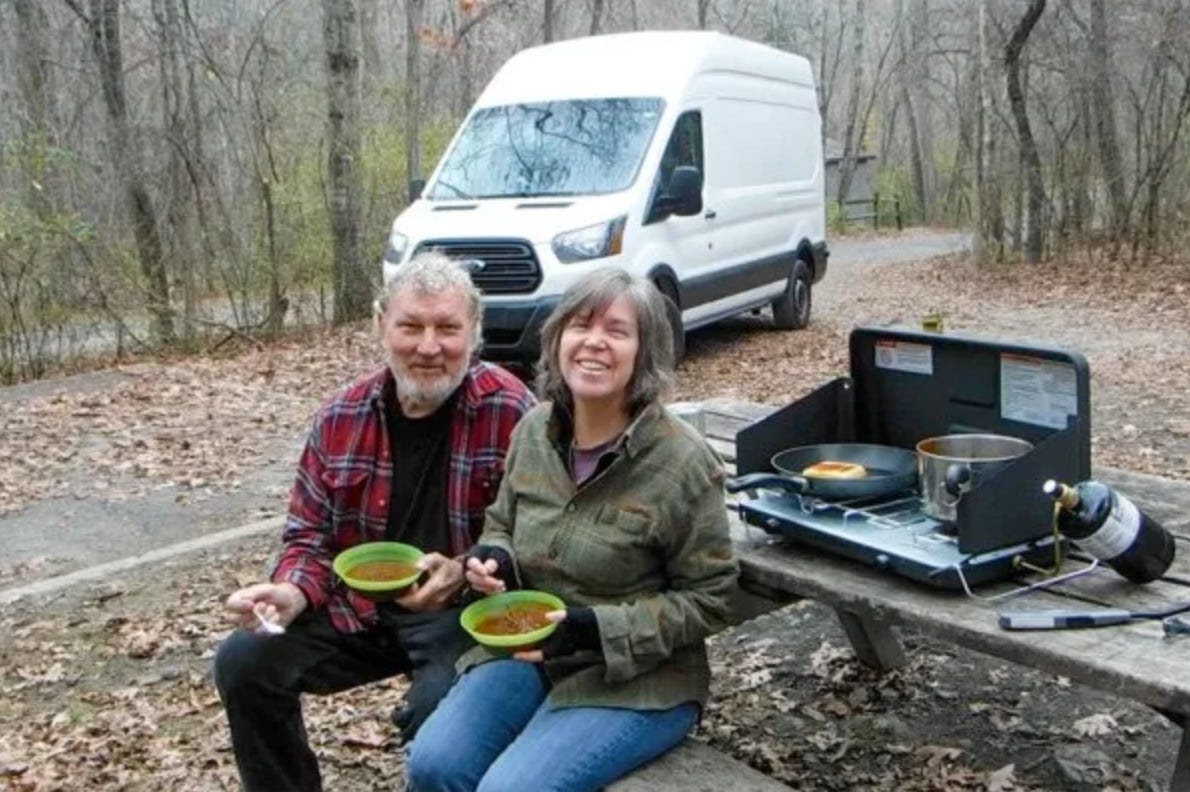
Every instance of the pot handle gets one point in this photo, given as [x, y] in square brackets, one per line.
[757, 480]
[956, 479]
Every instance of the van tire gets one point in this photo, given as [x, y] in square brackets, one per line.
[791, 311]
[674, 315]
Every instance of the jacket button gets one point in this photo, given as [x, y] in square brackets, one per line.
[570, 507]
[553, 553]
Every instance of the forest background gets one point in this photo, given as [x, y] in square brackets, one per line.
[180, 173]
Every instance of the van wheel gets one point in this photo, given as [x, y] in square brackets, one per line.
[791, 311]
[675, 320]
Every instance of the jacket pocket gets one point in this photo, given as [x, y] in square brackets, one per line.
[484, 484]
[614, 553]
[347, 492]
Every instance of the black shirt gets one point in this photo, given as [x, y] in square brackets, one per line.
[421, 458]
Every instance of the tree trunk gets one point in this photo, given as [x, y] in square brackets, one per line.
[915, 78]
[369, 21]
[340, 27]
[1103, 109]
[180, 233]
[103, 24]
[989, 210]
[33, 80]
[596, 16]
[1034, 186]
[547, 22]
[850, 143]
[703, 5]
[413, 17]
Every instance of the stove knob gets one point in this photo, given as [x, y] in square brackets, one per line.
[882, 561]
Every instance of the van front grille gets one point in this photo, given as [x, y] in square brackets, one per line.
[497, 266]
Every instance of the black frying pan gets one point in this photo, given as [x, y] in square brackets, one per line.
[890, 469]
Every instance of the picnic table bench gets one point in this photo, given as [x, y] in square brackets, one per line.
[1133, 660]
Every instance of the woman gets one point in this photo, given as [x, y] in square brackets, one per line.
[617, 507]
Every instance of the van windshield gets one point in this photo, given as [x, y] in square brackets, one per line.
[574, 147]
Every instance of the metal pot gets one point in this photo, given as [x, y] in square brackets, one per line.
[953, 464]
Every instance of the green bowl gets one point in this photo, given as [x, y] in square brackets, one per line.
[350, 558]
[495, 604]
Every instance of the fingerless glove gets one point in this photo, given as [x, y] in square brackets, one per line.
[578, 632]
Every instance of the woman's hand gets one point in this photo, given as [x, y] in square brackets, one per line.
[490, 570]
[578, 631]
[276, 603]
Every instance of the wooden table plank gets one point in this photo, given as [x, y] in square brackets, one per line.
[1133, 660]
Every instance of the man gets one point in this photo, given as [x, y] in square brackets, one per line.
[413, 452]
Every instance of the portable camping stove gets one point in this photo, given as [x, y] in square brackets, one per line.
[905, 386]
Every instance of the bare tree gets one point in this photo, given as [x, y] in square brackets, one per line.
[914, 77]
[340, 27]
[180, 234]
[472, 16]
[103, 25]
[33, 80]
[369, 42]
[850, 143]
[547, 21]
[989, 226]
[596, 17]
[413, 22]
[1103, 111]
[1034, 186]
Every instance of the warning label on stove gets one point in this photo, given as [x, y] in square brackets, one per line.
[905, 356]
[1037, 391]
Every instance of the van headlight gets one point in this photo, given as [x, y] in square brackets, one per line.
[592, 242]
[394, 251]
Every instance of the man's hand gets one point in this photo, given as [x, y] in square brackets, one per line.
[490, 569]
[437, 590]
[277, 603]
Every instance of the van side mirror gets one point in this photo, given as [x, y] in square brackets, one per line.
[684, 197]
[415, 188]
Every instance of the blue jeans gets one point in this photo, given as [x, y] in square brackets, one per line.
[495, 731]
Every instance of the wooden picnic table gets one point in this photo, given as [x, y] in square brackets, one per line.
[1134, 660]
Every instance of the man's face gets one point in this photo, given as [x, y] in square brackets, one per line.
[428, 341]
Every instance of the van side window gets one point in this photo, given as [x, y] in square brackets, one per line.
[684, 148]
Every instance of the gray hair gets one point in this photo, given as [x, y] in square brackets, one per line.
[652, 372]
[433, 272]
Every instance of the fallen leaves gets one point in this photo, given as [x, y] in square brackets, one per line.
[194, 424]
[1098, 725]
[112, 690]
[826, 722]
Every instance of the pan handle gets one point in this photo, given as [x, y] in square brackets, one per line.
[758, 480]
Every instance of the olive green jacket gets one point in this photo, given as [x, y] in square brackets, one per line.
[644, 542]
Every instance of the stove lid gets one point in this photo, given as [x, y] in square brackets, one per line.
[909, 385]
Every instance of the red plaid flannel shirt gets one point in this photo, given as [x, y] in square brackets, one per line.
[344, 478]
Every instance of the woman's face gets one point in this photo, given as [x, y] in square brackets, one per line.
[597, 353]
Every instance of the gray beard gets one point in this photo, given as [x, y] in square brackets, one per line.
[428, 397]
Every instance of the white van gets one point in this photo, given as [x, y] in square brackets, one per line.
[692, 158]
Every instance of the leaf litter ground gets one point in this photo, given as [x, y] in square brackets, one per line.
[107, 686]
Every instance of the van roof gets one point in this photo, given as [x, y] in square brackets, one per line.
[648, 63]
